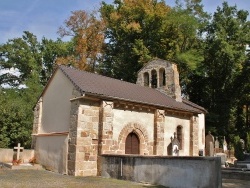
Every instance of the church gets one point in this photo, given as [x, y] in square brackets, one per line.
[81, 115]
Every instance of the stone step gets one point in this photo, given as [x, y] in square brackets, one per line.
[21, 166]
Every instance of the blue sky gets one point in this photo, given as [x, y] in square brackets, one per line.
[44, 17]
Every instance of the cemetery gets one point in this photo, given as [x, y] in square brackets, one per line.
[18, 158]
[217, 163]
[231, 167]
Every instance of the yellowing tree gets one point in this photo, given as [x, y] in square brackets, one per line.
[87, 31]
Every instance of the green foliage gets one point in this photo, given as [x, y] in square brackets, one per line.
[247, 147]
[16, 118]
[238, 150]
[138, 31]
[30, 59]
[224, 73]
[31, 63]
[50, 52]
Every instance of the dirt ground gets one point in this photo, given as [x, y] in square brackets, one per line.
[47, 179]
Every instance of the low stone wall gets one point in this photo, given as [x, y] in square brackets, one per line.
[6, 155]
[240, 174]
[167, 171]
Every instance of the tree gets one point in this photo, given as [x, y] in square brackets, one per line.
[27, 66]
[87, 31]
[221, 72]
[133, 29]
[21, 55]
[51, 53]
[138, 31]
[16, 118]
[30, 59]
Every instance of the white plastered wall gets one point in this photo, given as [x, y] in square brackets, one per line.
[56, 104]
[124, 117]
[170, 127]
[52, 152]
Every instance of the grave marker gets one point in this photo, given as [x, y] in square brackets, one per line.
[216, 145]
[209, 145]
[224, 145]
[175, 146]
[18, 148]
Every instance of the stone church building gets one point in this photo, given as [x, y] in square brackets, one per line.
[82, 115]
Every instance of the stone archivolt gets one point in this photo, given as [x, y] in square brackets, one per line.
[141, 132]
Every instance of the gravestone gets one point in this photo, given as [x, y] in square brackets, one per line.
[175, 146]
[223, 157]
[209, 144]
[242, 144]
[216, 145]
[224, 145]
[18, 149]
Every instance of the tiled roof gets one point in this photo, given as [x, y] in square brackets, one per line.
[91, 83]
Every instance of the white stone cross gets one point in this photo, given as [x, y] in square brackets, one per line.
[18, 148]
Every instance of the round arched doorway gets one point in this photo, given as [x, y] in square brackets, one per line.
[132, 144]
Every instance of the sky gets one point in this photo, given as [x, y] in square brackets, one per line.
[44, 17]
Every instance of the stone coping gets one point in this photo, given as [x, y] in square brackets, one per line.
[161, 157]
[52, 134]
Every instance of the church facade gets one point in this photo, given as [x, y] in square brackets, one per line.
[82, 115]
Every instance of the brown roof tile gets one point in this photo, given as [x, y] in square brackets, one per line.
[91, 83]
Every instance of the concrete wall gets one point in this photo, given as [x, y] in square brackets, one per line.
[51, 152]
[56, 104]
[181, 172]
[6, 155]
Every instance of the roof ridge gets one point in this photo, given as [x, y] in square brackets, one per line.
[99, 75]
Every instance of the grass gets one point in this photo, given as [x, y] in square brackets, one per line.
[46, 179]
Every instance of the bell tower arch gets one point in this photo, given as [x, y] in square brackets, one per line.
[161, 75]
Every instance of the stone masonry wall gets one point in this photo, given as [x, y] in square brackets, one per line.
[86, 148]
[171, 87]
[159, 132]
[194, 132]
[106, 143]
[92, 134]
[73, 132]
[73, 137]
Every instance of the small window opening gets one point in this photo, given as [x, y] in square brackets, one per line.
[180, 136]
[146, 79]
[153, 79]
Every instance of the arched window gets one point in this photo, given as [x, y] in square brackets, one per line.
[153, 79]
[162, 77]
[180, 136]
[132, 145]
[146, 79]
